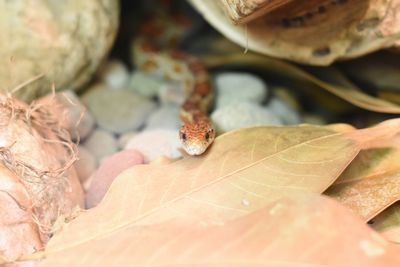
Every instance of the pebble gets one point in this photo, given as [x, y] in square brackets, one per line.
[172, 93]
[124, 138]
[241, 115]
[234, 87]
[108, 171]
[165, 117]
[100, 144]
[74, 112]
[156, 143]
[86, 165]
[118, 111]
[144, 84]
[115, 74]
[280, 108]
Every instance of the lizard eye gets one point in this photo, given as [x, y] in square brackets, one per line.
[183, 136]
[207, 136]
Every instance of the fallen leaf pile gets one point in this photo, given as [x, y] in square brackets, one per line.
[252, 200]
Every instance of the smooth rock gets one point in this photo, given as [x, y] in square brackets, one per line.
[114, 74]
[172, 93]
[165, 117]
[242, 115]
[124, 138]
[234, 87]
[108, 171]
[145, 84]
[118, 111]
[156, 143]
[86, 165]
[76, 112]
[64, 40]
[280, 108]
[101, 143]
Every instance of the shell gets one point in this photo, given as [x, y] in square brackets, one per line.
[315, 32]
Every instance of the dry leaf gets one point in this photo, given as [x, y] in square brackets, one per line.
[303, 231]
[244, 171]
[387, 219]
[388, 223]
[288, 71]
[372, 181]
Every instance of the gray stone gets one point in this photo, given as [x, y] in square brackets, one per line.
[287, 114]
[165, 117]
[101, 144]
[154, 144]
[86, 165]
[114, 74]
[118, 111]
[76, 112]
[172, 93]
[234, 87]
[145, 84]
[124, 138]
[242, 115]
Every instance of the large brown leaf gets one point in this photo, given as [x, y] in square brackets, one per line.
[388, 223]
[243, 171]
[307, 230]
[372, 181]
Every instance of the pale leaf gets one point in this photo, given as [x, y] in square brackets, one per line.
[243, 171]
[372, 181]
[308, 230]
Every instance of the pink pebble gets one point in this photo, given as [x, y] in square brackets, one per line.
[110, 168]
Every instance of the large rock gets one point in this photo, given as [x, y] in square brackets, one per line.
[64, 40]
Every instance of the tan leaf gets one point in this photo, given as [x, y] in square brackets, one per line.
[243, 171]
[306, 230]
[388, 223]
[372, 181]
[388, 219]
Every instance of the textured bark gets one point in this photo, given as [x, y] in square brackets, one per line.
[243, 11]
[315, 32]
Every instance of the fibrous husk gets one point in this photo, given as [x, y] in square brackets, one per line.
[37, 180]
[315, 32]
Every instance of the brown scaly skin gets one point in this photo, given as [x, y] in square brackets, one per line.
[197, 132]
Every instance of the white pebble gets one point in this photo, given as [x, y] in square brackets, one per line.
[118, 111]
[115, 74]
[156, 143]
[286, 113]
[234, 87]
[101, 144]
[86, 165]
[165, 117]
[242, 115]
[145, 84]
